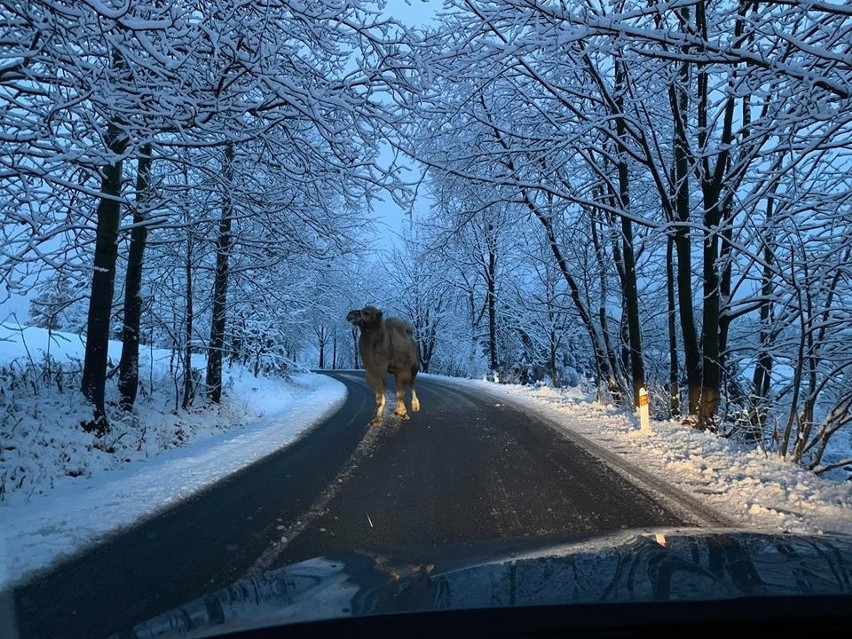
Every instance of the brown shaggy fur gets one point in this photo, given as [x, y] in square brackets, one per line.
[387, 346]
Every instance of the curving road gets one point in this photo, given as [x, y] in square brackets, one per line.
[468, 469]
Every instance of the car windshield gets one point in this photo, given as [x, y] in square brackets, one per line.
[336, 309]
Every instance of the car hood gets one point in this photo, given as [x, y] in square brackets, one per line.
[631, 566]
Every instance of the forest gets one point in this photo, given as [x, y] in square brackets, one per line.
[628, 194]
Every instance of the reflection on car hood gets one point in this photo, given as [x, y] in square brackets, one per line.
[635, 566]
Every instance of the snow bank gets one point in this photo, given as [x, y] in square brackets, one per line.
[63, 512]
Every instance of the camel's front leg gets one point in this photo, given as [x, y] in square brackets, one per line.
[377, 383]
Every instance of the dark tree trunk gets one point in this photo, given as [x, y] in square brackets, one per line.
[624, 347]
[128, 374]
[717, 217]
[634, 325]
[630, 292]
[601, 258]
[220, 284]
[492, 299]
[426, 344]
[355, 363]
[728, 231]
[674, 366]
[762, 376]
[691, 353]
[321, 336]
[422, 350]
[429, 349]
[552, 360]
[93, 383]
[711, 371]
[679, 100]
[725, 296]
[619, 358]
[187, 364]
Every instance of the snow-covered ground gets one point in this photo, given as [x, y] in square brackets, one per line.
[61, 514]
[753, 489]
[75, 493]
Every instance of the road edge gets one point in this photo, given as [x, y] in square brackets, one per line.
[671, 496]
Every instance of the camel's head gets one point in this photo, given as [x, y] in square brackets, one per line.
[367, 317]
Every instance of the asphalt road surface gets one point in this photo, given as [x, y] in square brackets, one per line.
[466, 469]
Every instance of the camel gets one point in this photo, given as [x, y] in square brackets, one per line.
[387, 346]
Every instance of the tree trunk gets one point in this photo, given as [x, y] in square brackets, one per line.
[553, 355]
[725, 284]
[716, 212]
[679, 104]
[128, 375]
[187, 364]
[601, 258]
[679, 99]
[220, 284]
[691, 353]
[426, 346]
[492, 303]
[711, 370]
[630, 292]
[674, 366]
[631, 299]
[93, 383]
[762, 376]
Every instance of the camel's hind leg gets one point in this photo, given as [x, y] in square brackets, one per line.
[403, 381]
[415, 403]
[377, 383]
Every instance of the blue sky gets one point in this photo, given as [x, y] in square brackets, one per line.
[391, 218]
[413, 12]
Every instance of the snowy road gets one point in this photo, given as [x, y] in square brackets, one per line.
[467, 468]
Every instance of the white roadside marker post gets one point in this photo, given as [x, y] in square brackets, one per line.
[644, 417]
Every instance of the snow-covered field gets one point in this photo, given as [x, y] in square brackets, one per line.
[73, 493]
[753, 489]
[59, 514]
